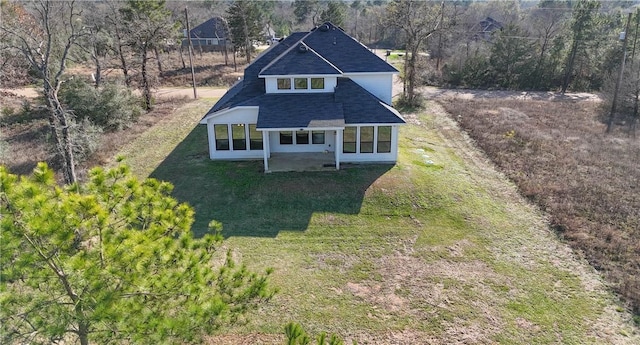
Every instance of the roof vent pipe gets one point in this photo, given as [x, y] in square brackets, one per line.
[302, 48]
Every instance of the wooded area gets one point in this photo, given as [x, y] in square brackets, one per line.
[523, 45]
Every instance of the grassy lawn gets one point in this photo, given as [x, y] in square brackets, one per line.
[439, 248]
[396, 56]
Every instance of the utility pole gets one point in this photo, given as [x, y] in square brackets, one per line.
[193, 73]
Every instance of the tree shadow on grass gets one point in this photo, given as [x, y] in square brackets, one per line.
[250, 203]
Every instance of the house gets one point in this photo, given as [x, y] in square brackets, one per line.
[268, 34]
[211, 35]
[485, 28]
[313, 92]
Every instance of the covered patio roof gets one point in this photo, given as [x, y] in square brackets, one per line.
[299, 111]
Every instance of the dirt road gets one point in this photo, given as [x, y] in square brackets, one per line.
[166, 92]
[431, 92]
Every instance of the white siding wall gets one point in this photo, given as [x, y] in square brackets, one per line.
[271, 84]
[390, 157]
[275, 146]
[380, 85]
[244, 116]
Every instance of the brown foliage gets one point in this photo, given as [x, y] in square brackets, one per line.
[560, 157]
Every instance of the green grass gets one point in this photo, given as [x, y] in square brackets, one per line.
[396, 56]
[434, 252]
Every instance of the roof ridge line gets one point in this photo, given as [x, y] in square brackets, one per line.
[323, 58]
[283, 53]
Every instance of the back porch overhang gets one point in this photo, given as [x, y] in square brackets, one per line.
[302, 161]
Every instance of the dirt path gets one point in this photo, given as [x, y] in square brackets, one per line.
[165, 92]
[431, 92]
[203, 92]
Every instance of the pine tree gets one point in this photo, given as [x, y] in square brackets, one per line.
[335, 13]
[148, 25]
[245, 22]
[583, 27]
[111, 260]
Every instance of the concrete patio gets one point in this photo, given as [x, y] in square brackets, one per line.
[307, 161]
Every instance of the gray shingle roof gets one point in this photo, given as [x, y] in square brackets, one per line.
[262, 60]
[360, 106]
[349, 104]
[300, 110]
[212, 28]
[344, 52]
[300, 59]
[251, 86]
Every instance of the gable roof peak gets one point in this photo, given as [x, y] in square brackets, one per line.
[303, 48]
[343, 51]
[300, 58]
[327, 27]
[214, 27]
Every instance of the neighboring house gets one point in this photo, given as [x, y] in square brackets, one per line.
[211, 35]
[486, 27]
[313, 92]
[268, 34]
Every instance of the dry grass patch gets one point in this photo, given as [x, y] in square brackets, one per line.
[559, 156]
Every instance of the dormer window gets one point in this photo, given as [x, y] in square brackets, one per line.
[300, 83]
[317, 83]
[297, 84]
[284, 84]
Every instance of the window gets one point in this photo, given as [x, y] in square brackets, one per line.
[317, 83]
[384, 139]
[366, 139]
[300, 83]
[317, 137]
[222, 137]
[302, 137]
[286, 138]
[239, 137]
[284, 84]
[255, 138]
[349, 140]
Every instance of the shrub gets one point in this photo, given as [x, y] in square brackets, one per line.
[112, 106]
[296, 335]
[85, 137]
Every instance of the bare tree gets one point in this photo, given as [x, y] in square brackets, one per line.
[418, 20]
[97, 44]
[45, 35]
[116, 27]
